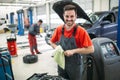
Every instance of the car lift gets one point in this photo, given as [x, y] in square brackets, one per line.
[118, 32]
[20, 22]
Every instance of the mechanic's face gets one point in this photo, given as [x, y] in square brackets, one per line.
[69, 17]
[39, 23]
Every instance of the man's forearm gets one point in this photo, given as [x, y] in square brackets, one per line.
[84, 50]
[87, 50]
[53, 44]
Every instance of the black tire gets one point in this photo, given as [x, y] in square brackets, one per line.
[30, 59]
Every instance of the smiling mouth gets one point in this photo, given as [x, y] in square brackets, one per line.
[69, 21]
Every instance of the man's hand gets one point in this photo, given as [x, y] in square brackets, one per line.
[68, 52]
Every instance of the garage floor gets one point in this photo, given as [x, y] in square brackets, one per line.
[45, 62]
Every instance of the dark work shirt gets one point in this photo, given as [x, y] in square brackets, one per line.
[34, 30]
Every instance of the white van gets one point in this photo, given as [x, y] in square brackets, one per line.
[2, 21]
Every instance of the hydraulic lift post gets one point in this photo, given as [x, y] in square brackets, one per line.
[118, 30]
[20, 23]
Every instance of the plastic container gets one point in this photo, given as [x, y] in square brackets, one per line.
[11, 43]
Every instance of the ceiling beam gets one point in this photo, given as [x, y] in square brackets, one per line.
[15, 4]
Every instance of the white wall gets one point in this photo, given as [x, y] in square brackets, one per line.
[101, 5]
[7, 10]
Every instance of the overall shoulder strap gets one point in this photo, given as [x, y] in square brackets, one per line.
[63, 29]
[73, 31]
[75, 28]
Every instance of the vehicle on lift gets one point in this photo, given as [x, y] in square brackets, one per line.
[99, 24]
[104, 24]
[2, 21]
[4, 28]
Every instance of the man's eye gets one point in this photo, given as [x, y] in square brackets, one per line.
[72, 16]
[66, 16]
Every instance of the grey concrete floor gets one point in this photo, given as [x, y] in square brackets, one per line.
[45, 63]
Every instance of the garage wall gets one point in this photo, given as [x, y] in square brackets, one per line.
[7, 10]
[114, 3]
[54, 18]
[103, 5]
[41, 12]
[86, 5]
[100, 5]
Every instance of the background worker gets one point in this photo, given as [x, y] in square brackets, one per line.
[74, 40]
[33, 31]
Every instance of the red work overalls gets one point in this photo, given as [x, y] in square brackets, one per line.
[32, 43]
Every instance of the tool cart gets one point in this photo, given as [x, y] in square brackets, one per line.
[6, 72]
